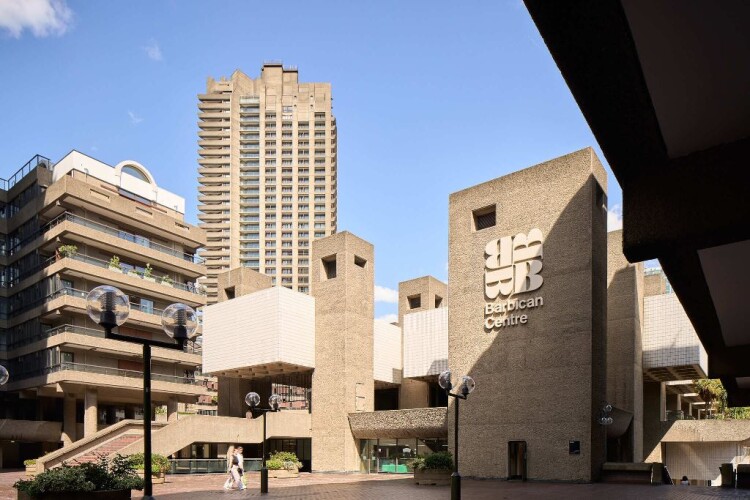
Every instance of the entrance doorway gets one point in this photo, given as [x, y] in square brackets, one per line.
[517, 460]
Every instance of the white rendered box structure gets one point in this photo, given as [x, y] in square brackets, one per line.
[669, 339]
[426, 343]
[263, 333]
[387, 352]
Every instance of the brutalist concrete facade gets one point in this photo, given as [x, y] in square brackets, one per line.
[343, 287]
[555, 215]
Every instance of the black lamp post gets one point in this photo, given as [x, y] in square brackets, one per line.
[464, 389]
[109, 307]
[605, 420]
[252, 399]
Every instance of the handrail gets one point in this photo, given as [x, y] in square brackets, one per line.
[105, 370]
[22, 172]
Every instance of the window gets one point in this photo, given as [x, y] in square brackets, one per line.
[415, 301]
[484, 218]
[438, 301]
[360, 261]
[329, 266]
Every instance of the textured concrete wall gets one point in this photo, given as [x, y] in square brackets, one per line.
[624, 343]
[416, 393]
[343, 377]
[412, 423]
[243, 281]
[541, 382]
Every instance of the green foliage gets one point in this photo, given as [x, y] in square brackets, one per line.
[30, 462]
[417, 463]
[115, 262]
[274, 464]
[286, 459]
[148, 272]
[167, 280]
[739, 413]
[93, 476]
[441, 460]
[67, 250]
[159, 463]
[713, 393]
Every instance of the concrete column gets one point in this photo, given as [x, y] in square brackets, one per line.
[678, 403]
[172, 410]
[69, 419]
[663, 402]
[90, 412]
[342, 282]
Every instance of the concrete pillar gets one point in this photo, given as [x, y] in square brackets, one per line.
[678, 403]
[343, 287]
[69, 419]
[663, 402]
[90, 412]
[172, 410]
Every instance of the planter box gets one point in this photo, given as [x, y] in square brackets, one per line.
[30, 470]
[115, 269]
[72, 495]
[150, 278]
[433, 477]
[283, 473]
[161, 478]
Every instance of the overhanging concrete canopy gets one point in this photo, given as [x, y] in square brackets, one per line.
[663, 86]
[400, 424]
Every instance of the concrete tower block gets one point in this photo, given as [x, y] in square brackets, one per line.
[527, 319]
[342, 270]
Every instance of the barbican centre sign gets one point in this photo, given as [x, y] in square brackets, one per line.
[512, 266]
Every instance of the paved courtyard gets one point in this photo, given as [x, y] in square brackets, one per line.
[384, 487]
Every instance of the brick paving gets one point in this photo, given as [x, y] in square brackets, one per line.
[385, 487]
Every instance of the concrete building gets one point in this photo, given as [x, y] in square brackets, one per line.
[542, 309]
[65, 229]
[267, 174]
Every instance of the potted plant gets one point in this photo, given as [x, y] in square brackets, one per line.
[30, 467]
[167, 280]
[161, 413]
[148, 274]
[283, 464]
[434, 469]
[159, 466]
[100, 480]
[114, 264]
[67, 250]
[134, 272]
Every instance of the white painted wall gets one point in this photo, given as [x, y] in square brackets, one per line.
[272, 325]
[112, 175]
[426, 342]
[387, 352]
[668, 336]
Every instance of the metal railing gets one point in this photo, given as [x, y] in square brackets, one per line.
[36, 161]
[166, 281]
[105, 370]
[208, 465]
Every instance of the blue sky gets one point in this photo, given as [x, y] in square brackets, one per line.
[430, 97]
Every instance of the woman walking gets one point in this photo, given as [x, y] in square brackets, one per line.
[232, 462]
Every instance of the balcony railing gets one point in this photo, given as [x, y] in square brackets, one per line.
[165, 280]
[36, 161]
[118, 372]
[190, 347]
[208, 465]
[123, 235]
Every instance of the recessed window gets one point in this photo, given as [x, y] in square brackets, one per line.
[329, 267]
[438, 301]
[484, 218]
[360, 261]
[229, 293]
[415, 301]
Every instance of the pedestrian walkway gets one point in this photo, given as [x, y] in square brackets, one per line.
[388, 486]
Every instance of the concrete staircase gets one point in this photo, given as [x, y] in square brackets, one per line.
[108, 448]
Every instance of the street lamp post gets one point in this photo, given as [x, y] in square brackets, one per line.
[464, 389]
[4, 375]
[252, 399]
[109, 307]
[605, 420]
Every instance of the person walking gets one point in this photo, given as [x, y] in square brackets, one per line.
[240, 471]
[231, 464]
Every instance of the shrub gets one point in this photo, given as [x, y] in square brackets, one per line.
[274, 464]
[30, 462]
[94, 476]
[159, 463]
[442, 460]
[287, 459]
[67, 250]
[115, 262]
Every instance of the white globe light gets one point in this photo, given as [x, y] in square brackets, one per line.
[607, 408]
[179, 321]
[4, 375]
[252, 399]
[444, 380]
[108, 306]
[467, 385]
[273, 401]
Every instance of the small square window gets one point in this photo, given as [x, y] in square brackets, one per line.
[484, 218]
[360, 261]
[438, 301]
[329, 267]
[415, 301]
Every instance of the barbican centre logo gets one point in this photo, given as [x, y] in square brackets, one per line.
[512, 266]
